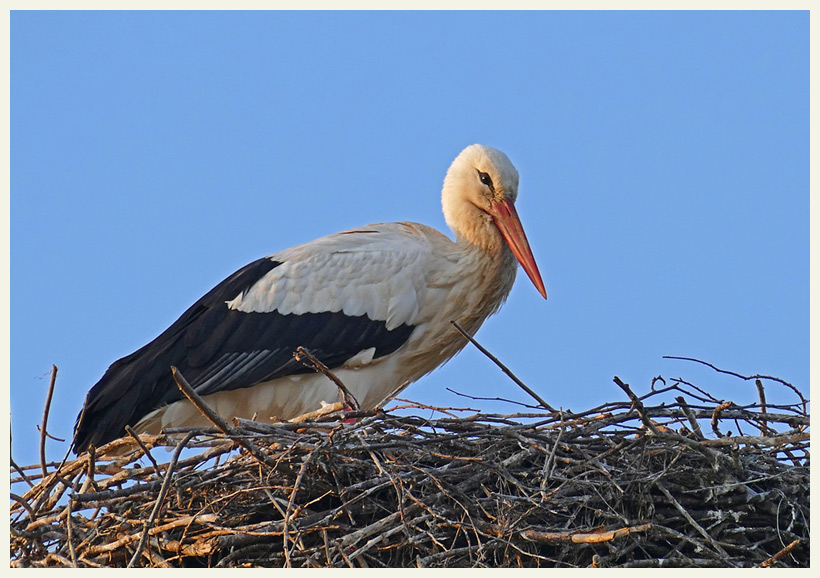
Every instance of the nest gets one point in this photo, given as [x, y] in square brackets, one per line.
[653, 480]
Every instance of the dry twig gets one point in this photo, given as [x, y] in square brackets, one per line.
[44, 426]
[306, 357]
[503, 367]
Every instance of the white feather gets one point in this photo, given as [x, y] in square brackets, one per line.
[374, 271]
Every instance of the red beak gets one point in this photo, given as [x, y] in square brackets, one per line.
[506, 219]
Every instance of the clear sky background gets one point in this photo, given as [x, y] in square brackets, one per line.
[664, 161]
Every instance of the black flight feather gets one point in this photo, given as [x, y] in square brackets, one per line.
[221, 349]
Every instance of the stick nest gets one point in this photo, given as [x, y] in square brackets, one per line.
[673, 477]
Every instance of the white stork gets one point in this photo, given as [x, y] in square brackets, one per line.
[373, 304]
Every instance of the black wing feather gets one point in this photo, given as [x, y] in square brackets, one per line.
[220, 349]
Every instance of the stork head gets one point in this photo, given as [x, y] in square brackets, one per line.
[478, 199]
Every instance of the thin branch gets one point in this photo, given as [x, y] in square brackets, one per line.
[761, 394]
[693, 422]
[482, 398]
[166, 483]
[288, 515]
[147, 453]
[20, 471]
[779, 555]
[44, 427]
[503, 368]
[301, 354]
[23, 502]
[770, 441]
[718, 548]
[581, 537]
[214, 418]
[744, 377]
[716, 416]
[713, 456]
[638, 405]
[69, 525]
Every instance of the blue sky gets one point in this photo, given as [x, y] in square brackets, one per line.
[664, 161]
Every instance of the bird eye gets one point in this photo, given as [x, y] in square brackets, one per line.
[485, 179]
